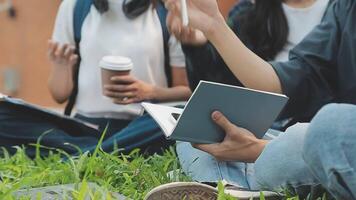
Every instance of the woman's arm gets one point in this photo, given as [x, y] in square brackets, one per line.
[63, 60]
[204, 15]
[127, 89]
[61, 53]
[250, 69]
[179, 90]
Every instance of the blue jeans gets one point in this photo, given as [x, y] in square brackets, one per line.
[22, 125]
[322, 152]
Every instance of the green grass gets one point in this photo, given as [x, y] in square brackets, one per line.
[132, 175]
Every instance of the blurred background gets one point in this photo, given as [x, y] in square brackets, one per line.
[25, 27]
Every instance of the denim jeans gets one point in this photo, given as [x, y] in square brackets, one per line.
[322, 152]
[22, 124]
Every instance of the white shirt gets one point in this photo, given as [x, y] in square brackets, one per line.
[112, 33]
[301, 22]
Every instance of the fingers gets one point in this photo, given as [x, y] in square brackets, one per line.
[52, 48]
[62, 53]
[119, 95]
[124, 90]
[120, 88]
[222, 121]
[127, 79]
[68, 52]
[174, 21]
[73, 59]
[187, 34]
[172, 5]
[175, 25]
[60, 50]
[126, 101]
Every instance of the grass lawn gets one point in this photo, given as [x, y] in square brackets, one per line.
[131, 175]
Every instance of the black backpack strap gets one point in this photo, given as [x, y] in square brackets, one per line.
[81, 10]
[162, 14]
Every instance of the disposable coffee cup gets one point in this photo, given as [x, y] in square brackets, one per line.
[114, 66]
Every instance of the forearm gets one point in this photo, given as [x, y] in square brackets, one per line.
[177, 93]
[60, 84]
[251, 70]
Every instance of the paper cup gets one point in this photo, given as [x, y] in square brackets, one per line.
[114, 66]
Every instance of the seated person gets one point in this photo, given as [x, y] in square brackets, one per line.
[124, 28]
[268, 28]
[320, 70]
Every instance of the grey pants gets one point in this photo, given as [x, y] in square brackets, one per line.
[322, 152]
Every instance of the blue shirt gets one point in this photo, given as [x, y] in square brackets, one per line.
[322, 68]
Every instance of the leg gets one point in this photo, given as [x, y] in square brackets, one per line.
[111, 125]
[20, 127]
[330, 149]
[202, 167]
[142, 133]
[281, 165]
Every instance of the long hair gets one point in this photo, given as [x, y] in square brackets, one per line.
[265, 27]
[131, 8]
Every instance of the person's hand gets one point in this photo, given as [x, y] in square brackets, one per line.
[204, 15]
[62, 56]
[239, 144]
[127, 90]
[185, 35]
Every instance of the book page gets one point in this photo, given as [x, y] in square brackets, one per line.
[2, 96]
[163, 116]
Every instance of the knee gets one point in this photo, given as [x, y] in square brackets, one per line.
[329, 146]
[334, 114]
[331, 127]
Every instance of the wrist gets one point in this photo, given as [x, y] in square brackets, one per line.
[153, 94]
[259, 146]
[215, 28]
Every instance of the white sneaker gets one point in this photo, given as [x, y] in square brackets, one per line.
[183, 190]
[243, 194]
[199, 191]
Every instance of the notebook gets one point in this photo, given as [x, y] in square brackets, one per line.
[250, 109]
[65, 122]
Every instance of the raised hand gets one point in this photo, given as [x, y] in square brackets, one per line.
[63, 59]
[203, 15]
[62, 56]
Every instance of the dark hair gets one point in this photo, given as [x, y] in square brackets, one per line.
[265, 28]
[131, 8]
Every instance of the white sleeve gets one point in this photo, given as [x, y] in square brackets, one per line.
[63, 27]
[176, 55]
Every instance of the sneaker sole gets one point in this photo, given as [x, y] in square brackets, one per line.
[183, 191]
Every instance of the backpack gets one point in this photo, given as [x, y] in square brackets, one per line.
[81, 11]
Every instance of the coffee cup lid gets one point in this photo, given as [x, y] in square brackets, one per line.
[118, 63]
